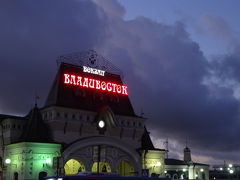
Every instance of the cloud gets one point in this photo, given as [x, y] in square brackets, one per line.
[166, 71]
[217, 26]
[32, 35]
[164, 68]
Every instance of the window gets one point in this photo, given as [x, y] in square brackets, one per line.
[65, 115]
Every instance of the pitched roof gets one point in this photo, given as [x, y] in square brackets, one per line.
[170, 161]
[86, 98]
[35, 130]
[5, 116]
[146, 142]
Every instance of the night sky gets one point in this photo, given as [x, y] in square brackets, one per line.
[181, 63]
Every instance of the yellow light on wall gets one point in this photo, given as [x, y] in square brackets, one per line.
[7, 161]
[158, 164]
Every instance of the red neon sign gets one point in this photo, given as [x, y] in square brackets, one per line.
[94, 83]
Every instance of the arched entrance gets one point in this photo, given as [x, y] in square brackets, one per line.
[15, 176]
[41, 175]
[125, 169]
[103, 167]
[73, 166]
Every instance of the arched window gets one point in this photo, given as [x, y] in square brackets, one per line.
[15, 176]
[73, 166]
[175, 176]
[103, 167]
[42, 175]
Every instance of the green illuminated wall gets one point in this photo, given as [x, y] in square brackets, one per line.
[29, 159]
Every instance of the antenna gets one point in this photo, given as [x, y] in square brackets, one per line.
[36, 99]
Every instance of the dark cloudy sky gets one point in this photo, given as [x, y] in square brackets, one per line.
[181, 62]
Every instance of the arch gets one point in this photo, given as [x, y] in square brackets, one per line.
[103, 167]
[175, 176]
[15, 176]
[125, 168]
[73, 166]
[41, 175]
[168, 176]
[100, 140]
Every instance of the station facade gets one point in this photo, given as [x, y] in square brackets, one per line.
[87, 124]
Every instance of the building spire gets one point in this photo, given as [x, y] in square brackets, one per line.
[166, 146]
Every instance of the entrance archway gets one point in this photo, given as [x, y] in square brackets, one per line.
[73, 166]
[125, 169]
[103, 167]
[41, 175]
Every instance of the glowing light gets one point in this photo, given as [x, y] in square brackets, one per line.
[221, 168]
[158, 164]
[165, 172]
[7, 161]
[48, 160]
[101, 124]
[196, 175]
[184, 170]
[230, 165]
[201, 170]
[95, 84]
[228, 169]
[231, 171]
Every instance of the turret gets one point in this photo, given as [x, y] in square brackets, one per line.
[187, 155]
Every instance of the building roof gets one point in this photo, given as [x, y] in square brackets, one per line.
[146, 142]
[170, 161]
[5, 116]
[35, 130]
[86, 98]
